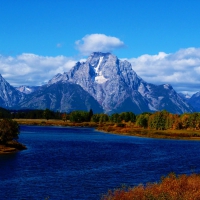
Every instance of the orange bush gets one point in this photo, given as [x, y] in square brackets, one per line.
[172, 187]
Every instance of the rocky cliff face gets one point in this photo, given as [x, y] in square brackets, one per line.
[9, 96]
[115, 85]
[110, 81]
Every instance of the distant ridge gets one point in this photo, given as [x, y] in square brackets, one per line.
[103, 83]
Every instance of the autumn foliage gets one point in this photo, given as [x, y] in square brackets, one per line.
[172, 187]
[163, 120]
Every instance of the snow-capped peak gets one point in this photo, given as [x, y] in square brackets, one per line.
[27, 89]
[167, 86]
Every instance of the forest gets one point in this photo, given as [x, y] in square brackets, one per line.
[160, 120]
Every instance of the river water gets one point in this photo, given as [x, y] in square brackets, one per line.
[81, 163]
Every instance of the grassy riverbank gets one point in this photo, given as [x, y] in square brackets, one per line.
[141, 132]
[122, 129]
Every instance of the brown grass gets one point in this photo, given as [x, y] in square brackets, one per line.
[54, 122]
[142, 132]
[127, 129]
[172, 187]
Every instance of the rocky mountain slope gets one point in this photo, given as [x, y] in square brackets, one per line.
[185, 97]
[103, 83]
[9, 96]
[116, 86]
[195, 101]
[63, 97]
[27, 89]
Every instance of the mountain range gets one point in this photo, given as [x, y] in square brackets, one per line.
[102, 83]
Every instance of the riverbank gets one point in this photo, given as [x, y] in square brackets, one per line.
[11, 147]
[122, 129]
[161, 134]
[185, 187]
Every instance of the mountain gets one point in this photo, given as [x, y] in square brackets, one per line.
[101, 76]
[61, 96]
[194, 101]
[116, 86]
[27, 89]
[185, 97]
[164, 97]
[103, 83]
[9, 96]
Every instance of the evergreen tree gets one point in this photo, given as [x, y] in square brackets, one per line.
[90, 114]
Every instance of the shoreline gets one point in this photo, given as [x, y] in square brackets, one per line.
[150, 136]
[11, 147]
[126, 130]
[111, 128]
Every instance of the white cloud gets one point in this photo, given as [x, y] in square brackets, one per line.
[31, 69]
[59, 45]
[181, 69]
[98, 43]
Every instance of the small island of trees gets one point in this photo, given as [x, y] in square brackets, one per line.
[9, 131]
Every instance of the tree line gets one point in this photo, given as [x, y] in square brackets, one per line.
[163, 120]
[74, 116]
[160, 120]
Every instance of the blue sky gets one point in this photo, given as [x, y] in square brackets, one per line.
[41, 38]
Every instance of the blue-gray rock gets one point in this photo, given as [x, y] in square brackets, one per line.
[9, 96]
[116, 86]
[194, 101]
[27, 89]
[61, 96]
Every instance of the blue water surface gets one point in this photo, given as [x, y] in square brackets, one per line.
[81, 163]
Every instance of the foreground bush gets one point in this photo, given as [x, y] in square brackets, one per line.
[9, 130]
[172, 187]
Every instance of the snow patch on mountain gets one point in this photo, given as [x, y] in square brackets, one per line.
[167, 86]
[151, 107]
[27, 89]
[99, 63]
[99, 78]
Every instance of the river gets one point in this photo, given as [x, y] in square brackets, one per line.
[81, 163]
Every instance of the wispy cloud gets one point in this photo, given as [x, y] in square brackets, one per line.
[31, 69]
[59, 45]
[181, 69]
[98, 43]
